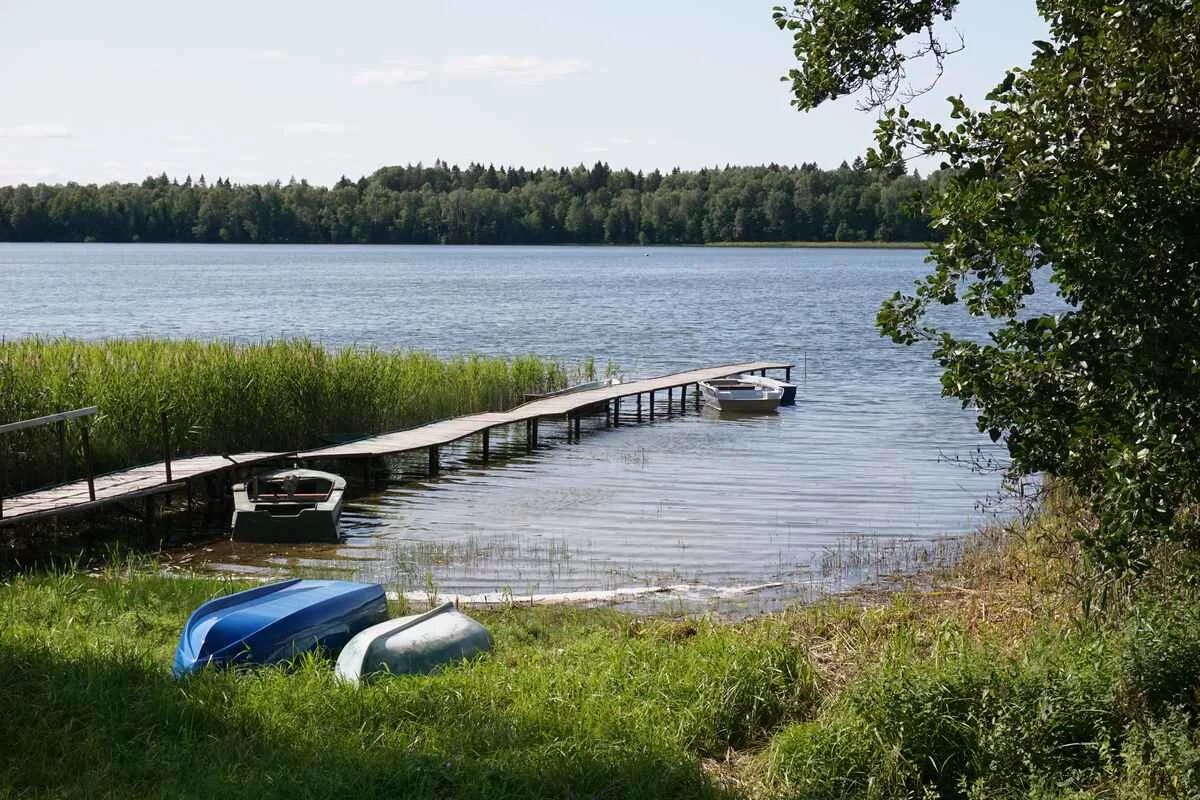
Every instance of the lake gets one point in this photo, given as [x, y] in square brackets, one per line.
[859, 474]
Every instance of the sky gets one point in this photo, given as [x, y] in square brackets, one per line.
[265, 90]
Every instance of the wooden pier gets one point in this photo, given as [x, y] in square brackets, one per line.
[177, 474]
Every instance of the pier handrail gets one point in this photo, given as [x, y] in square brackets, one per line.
[51, 419]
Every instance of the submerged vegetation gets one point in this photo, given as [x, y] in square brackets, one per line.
[991, 682]
[221, 397]
[418, 204]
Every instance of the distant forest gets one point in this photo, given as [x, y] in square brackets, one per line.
[484, 205]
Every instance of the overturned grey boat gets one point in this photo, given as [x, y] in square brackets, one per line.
[292, 505]
[413, 645]
[788, 389]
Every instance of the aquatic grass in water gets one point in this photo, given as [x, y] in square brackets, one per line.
[222, 397]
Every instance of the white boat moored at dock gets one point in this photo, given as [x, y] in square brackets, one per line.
[733, 394]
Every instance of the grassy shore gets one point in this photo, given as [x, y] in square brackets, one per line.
[222, 397]
[871, 245]
[983, 681]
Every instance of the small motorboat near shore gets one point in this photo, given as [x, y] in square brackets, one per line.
[412, 645]
[789, 389]
[273, 623]
[734, 394]
[293, 505]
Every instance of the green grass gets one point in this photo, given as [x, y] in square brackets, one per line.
[570, 703]
[990, 684]
[870, 245]
[228, 398]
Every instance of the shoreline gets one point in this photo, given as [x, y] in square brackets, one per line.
[826, 245]
[798, 245]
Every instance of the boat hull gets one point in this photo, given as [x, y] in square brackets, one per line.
[276, 622]
[306, 525]
[414, 644]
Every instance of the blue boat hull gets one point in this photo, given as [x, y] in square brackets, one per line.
[273, 623]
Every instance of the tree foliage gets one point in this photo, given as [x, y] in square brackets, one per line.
[850, 46]
[1086, 164]
[485, 205]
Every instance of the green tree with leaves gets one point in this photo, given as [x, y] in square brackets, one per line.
[1084, 165]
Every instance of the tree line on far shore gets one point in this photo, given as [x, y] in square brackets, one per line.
[486, 205]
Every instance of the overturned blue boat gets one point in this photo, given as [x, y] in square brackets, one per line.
[273, 623]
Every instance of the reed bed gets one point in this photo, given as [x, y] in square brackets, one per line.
[222, 397]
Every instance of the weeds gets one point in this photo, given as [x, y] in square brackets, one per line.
[222, 397]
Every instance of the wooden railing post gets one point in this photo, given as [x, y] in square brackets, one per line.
[166, 440]
[61, 425]
[87, 461]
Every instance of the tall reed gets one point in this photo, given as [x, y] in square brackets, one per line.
[222, 397]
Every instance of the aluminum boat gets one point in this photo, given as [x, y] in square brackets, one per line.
[293, 505]
[415, 644]
[733, 394]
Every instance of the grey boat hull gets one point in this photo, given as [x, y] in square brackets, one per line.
[415, 644]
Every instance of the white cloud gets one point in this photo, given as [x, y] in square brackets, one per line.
[391, 76]
[305, 128]
[269, 56]
[591, 147]
[36, 132]
[511, 68]
[621, 140]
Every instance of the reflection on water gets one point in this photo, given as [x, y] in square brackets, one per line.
[708, 501]
[705, 500]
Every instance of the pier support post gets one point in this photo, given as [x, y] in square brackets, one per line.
[670, 397]
[577, 437]
[608, 413]
[697, 396]
[570, 426]
[487, 443]
[616, 412]
[433, 460]
[87, 461]
[639, 407]
[787, 374]
[651, 405]
[534, 431]
[682, 399]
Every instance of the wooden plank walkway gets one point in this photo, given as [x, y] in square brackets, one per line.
[451, 430]
[151, 479]
[126, 484]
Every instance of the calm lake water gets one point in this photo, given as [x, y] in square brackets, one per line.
[856, 469]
